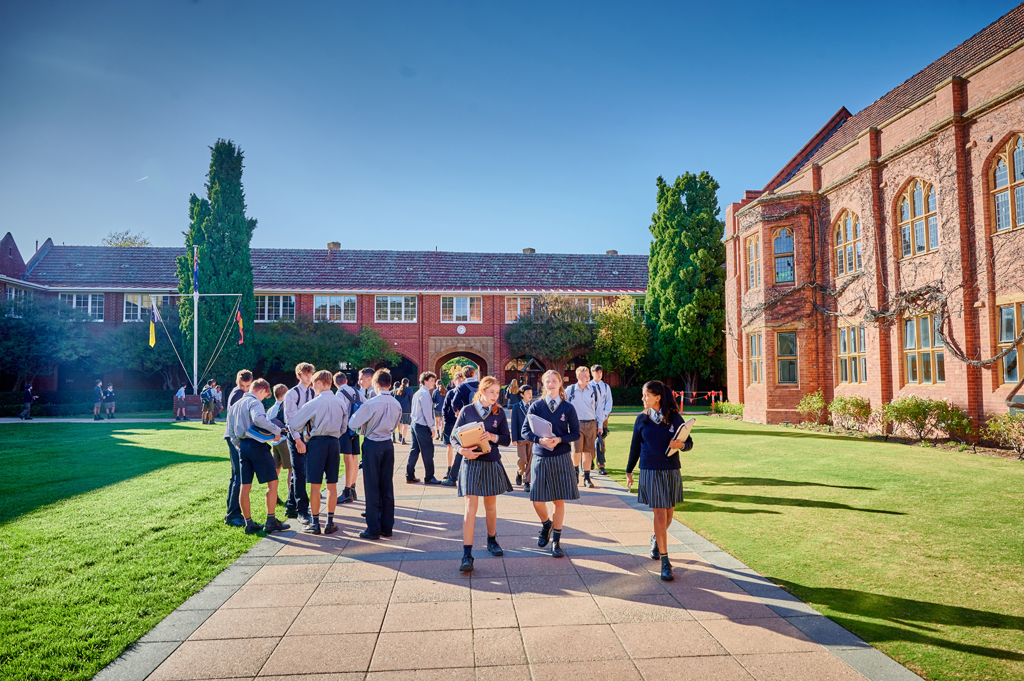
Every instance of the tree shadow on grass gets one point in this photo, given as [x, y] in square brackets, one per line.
[904, 619]
[780, 432]
[771, 482]
[776, 501]
[66, 460]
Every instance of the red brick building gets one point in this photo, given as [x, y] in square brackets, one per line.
[432, 306]
[885, 226]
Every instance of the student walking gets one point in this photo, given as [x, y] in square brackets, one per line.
[97, 400]
[297, 505]
[513, 395]
[423, 431]
[448, 414]
[350, 401]
[605, 392]
[661, 484]
[404, 397]
[243, 381]
[179, 403]
[437, 401]
[587, 402]
[552, 472]
[377, 418]
[524, 448]
[26, 413]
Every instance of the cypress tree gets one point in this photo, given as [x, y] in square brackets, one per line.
[219, 227]
[685, 302]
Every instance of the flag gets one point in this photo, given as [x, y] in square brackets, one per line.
[241, 336]
[195, 271]
[154, 317]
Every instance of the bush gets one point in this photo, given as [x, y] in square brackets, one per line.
[77, 402]
[1007, 430]
[850, 412]
[954, 421]
[627, 397]
[917, 416]
[812, 404]
[729, 408]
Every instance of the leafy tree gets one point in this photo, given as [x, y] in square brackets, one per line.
[282, 345]
[219, 228]
[126, 346]
[37, 332]
[686, 294]
[621, 339]
[554, 332]
[813, 404]
[125, 239]
[449, 368]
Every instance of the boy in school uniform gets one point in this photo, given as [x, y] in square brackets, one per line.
[448, 416]
[524, 447]
[109, 400]
[327, 420]
[179, 404]
[248, 426]
[377, 419]
[243, 381]
[584, 397]
[350, 402]
[207, 397]
[297, 505]
[422, 417]
[97, 400]
[605, 391]
[26, 414]
[463, 396]
[282, 457]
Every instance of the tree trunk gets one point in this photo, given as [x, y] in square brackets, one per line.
[689, 385]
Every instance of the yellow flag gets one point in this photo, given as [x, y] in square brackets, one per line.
[152, 333]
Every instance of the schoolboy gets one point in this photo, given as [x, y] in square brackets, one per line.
[243, 381]
[97, 400]
[26, 414]
[605, 391]
[282, 457]
[463, 396]
[244, 418]
[179, 404]
[297, 505]
[423, 424]
[350, 402]
[524, 447]
[448, 414]
[327, 420]
[584, 397]
[377, 419]
[109, 400]
[207, 397]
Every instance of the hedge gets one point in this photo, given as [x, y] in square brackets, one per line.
[76, 402]
[627, 397]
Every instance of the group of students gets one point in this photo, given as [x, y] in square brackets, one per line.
[103, 398]
[213, 401]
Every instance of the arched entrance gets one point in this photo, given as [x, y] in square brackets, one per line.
[476, 359]
[406, 368]
[525, 370]
[479, 349]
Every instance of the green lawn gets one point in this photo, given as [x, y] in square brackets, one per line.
[918, 551]
[104, 530]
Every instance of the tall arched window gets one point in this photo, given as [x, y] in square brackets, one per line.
[753, 262]
[782, 250]
[1008, 185]
[846, 236]
[918, 221]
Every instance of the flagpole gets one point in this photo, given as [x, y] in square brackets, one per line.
[195, 321]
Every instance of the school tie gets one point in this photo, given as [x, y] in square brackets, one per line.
[309, 394]
[551, 405]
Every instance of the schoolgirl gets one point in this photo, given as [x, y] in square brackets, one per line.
[552, 473]
[483, 475]
[661, 484]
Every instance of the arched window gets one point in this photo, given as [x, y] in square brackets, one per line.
[782, 249]
[847, 244]
[1008, 186]
[918, 221]
[753, 262]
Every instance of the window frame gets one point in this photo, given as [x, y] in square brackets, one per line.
[1003, 343]
[519, 312]
[930, 214]
[755, 357]
[928, 369]
[403, 310]
[795, 358]
[850, 348]
[851, 245]
[753, 263]
[339, 299]
[94, 302]
[266, 299]
[144, 303]
[589, 305]
[791, 254]
[469, 310]
[1012, 153]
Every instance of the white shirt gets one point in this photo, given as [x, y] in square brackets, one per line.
[294, 400]
[605, 391]
[423, 408]
[180, 393]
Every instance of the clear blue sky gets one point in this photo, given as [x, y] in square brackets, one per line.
[479, 126]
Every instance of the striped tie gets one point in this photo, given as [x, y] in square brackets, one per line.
[551, 404]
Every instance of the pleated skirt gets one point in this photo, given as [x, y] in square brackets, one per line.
[660, 489]
[553, 478]
[483, 478]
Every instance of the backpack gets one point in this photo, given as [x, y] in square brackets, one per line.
[572, 393]
[207, 394]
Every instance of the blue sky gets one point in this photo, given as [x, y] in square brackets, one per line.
[476, 126]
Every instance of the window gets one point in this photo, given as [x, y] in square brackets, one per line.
[89, 303]
[16, 296]
[782, 249]
[1008, 186]
[395, 309]
[334, 308]
[462, 309]
[15, 293]
[275, 308]
[516, 307]
[756, 361]
[853, 362]
[918, 221]
[924, 357]
[138, 305]
[848, 245]
[786, 355]
[593, 305]
[1009, 328]
[753, 262]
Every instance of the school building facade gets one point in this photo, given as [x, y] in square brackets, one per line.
[890, 247]
[431, 306]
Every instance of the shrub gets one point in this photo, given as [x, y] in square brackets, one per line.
[954, 421]
[812, 404]
[730, 408]
[850, 412]
[915, 415]
[1007, 430]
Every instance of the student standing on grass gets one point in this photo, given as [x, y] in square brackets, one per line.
[483, 475]
[243, 380]
[246, 422]
[585, 399]
[179, 404]
[282, 457]
[109, 400]
[26, 414]
[350, 401]
[207, 397]
[97, 400]
[463, 396]
[377, 418]
[218, 402]
[661, 484]
[297, 505]
[524, 448]
[422, 431]
[448, 415]
[605, 391]
[553, 474]
[327, 420]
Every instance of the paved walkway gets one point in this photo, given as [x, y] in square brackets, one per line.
[338, 607]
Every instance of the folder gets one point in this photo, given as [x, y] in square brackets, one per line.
[469, 436]
[540, 427]
[681, 433]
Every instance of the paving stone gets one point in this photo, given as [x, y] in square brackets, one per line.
[138, 662]
[666, 639]
[519, 672]
[437, 616]
[247, 623]
[722, 559]
[303, 559]
[431, 590]
[820, 666]
[875, 665]
[705, 604]
[824, 631]
[235, 574]
[177, 626]
[215, 659]
[362, 571]
[490, 589]
[458, 674]
[494, 614]
[542, 612]
[401, 651]
[321, 654]
[281, 595]
[606, 670]
[659, 608]
[572, 644]
[717, 668]
[351, 593]
[754, 636]
[271, 575]
[498, 647]
[209, 598]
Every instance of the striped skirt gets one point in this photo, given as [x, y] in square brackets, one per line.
[660, 489]
[483, 478]
[553, 478]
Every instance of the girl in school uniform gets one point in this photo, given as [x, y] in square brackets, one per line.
[553, 476]
[483, 475]
[661, 484]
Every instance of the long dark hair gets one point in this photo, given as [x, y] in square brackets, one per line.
[669, 408]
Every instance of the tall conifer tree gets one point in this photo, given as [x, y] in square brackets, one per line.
[685, 303]
[219, 227]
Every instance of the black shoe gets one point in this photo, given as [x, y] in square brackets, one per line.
[331, 528]
[234, 522]
[411, 481]
[252, 528]
[467, 564]
[602, 471]
[545, 534]
[556, 549]
[387, 535]
[290, 514]
[312, 528]
[305, 519]
[275, 525]
[448, 483]
[28, 418]
[666, 571]
[363, 514]
[346, 497]
[280, 503]
[360, 465]
[355, 497]
[655, 554]
[432, 481]
[526, 488]
[589, 483]
[519, 478]
[96, 418]
[366, 535]
[493, 548]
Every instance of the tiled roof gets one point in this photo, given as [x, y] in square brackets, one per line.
[987, 43]
[345, 270]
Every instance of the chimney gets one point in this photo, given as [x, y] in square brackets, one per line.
[611, 251]
[529, 250]
[333, 246]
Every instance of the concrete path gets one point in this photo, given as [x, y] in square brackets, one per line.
[337, 607]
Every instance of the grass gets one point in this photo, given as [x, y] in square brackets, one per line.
[637, 409]
[918, 551]
[104, 530]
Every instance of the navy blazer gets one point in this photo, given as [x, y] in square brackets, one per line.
[464, 394]
[519, 418]
[650, 442]
[564, 424]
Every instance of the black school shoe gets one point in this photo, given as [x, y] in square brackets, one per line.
[448, 483]
[366, 535]
[602, 471]
[252, 528]
[312, 528]
[432, 481]
[234, 522]
[331, 528]
[275, 525]
[467, 564]
[556, 549]
[655, 554]
[346, 497]
[411, 481]
[519, 478]
[290, 514]
[493, 548]
[666, 570]
[545, 534]
[526, 488]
